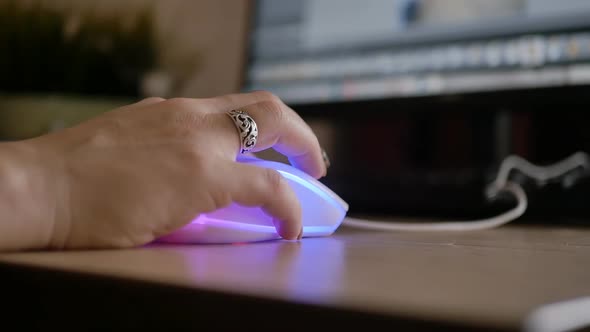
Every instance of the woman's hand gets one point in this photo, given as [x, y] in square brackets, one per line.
[141, 171]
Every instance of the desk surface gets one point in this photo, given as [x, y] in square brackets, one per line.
[491, 278]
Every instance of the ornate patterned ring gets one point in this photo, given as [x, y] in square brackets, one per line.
[247, 129]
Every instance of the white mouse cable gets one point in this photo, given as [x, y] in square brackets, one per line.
[466, 225]
[501, 184]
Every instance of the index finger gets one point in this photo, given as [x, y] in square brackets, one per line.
[279, 127]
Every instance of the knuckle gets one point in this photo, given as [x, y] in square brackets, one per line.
[109, 133]
[189, 120]
[181, 103]
[274, 110]
[267, 96]
[153, 99]
[186, 113]
[101, 139]
[274, 180]
[220, 199]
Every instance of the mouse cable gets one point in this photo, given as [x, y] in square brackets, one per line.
[567, 171]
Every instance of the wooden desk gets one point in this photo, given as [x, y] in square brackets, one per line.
[489, 279]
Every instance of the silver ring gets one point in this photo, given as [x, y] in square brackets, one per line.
[247, 129]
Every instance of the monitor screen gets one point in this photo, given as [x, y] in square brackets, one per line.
[314, 51]
[417, 102]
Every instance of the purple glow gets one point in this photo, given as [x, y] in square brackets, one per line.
[322, 213]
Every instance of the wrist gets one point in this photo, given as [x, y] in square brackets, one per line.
[27, 198]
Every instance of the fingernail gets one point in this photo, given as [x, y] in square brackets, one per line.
[326, 158]
[300, 236]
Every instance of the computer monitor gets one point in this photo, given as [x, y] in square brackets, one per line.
[425, 98]
[347, 50]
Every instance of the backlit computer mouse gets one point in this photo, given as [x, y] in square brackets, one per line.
[322, 213]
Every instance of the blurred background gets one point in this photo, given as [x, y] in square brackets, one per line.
[416, 101]
[64, 61]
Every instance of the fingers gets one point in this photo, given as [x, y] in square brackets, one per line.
[267, 189]
[282, 129]
[279, 127]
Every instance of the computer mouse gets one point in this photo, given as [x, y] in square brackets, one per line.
[322, 213]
